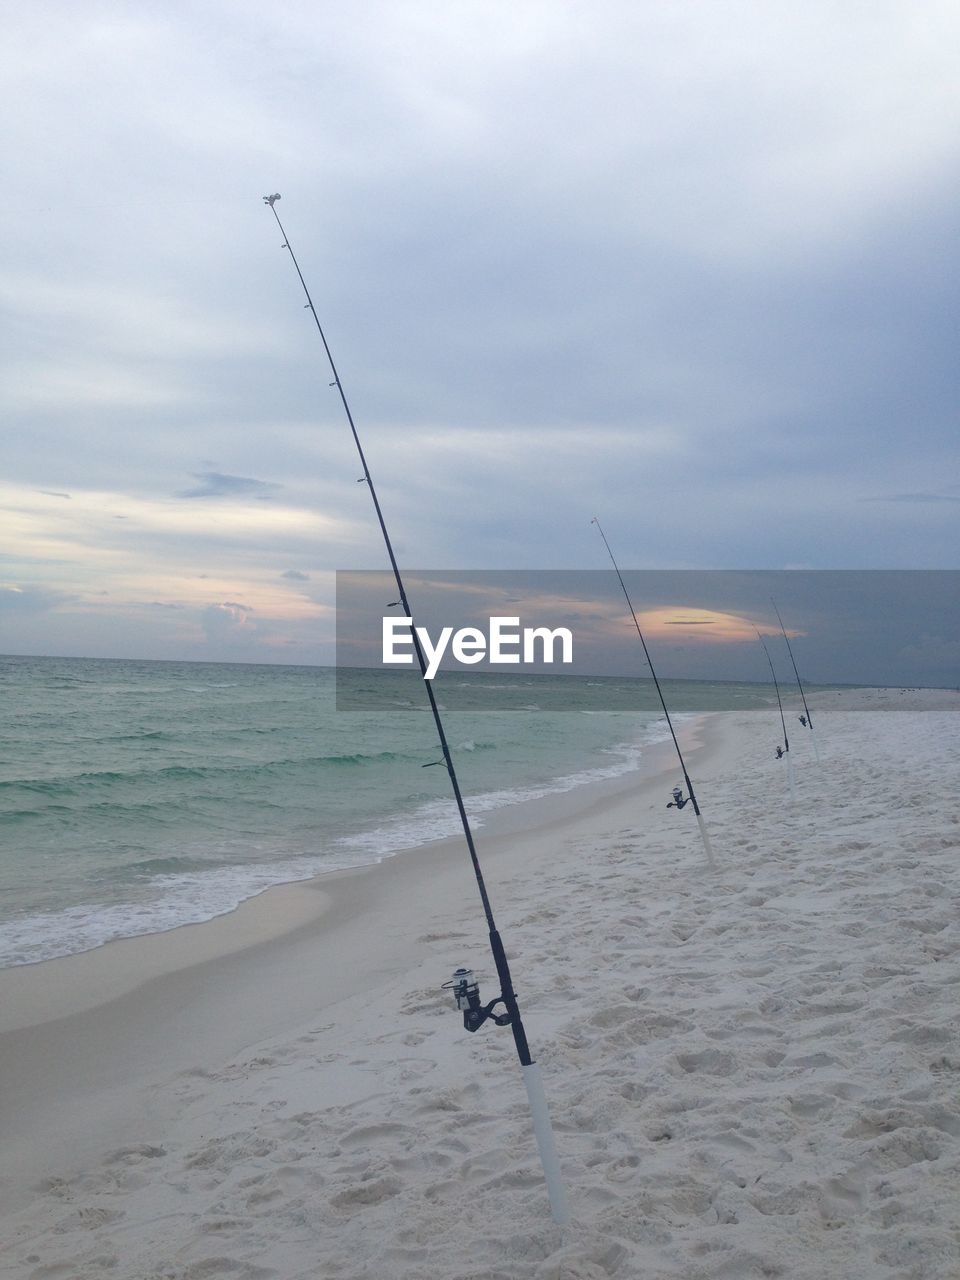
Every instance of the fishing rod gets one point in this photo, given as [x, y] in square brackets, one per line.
[807, 719]
[465, 988]
[679, 800]
[785, 749]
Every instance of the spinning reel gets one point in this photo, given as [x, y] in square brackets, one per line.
[466, 996]
[679, 799]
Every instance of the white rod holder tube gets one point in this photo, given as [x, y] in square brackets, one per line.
[706, 842]
[816, 749]
[543, 1130]
[790, 777]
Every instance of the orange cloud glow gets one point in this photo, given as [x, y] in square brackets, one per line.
[705, 625]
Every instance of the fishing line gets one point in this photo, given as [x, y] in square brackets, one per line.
[807, 719]
[679, 800]
[465, 988]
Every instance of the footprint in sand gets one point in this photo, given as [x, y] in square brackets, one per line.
[432, 1001]
[374, 1191]
[134, 1155]
[68, 1270]
[212, 1268]
[916, 1033]
[807, 1105]
[710, 1062]
[841, 1199]
[372, 1135]
[580, 1262]
[778, 1200]
[905, 1147]
[88, 1219]
[223, 1226]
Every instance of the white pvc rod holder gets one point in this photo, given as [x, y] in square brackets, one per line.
[706, 842]
[543, 1130]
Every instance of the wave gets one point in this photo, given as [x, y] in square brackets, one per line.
[180, 834]
[187, 898]
[438, 819]
[487, 688]
[73, 783]
[184, 890]
[153, 868]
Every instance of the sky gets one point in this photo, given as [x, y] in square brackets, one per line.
[689, 267]
[876, 627]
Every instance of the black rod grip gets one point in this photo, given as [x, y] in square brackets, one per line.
[509, 998]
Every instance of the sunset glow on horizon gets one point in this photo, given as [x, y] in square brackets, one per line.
[708, 626]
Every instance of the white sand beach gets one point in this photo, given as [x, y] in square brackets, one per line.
[753, 1072]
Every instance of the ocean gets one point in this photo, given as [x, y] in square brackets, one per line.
[138, 796]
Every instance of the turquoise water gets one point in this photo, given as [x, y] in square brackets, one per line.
[138, 796]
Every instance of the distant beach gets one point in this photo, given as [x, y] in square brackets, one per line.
[751, 1072]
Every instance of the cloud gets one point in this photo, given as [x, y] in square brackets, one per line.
[914, 497]
[75, 383]
[295, 575]
[21, 600]
[721, 627]
[52, 493]
[226, 623]
[939, 651]
[214, 484]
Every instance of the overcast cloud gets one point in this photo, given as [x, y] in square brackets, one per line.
[689, 267]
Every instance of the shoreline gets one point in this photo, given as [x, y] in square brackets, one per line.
[38, 934]
[42, 990]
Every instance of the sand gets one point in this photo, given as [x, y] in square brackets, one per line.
[752, 1072]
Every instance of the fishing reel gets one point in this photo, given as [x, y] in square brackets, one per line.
[466, 996]
[779, 753]
[803, 721]
[679, 799]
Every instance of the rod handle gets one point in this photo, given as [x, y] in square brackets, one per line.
[510, 999]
